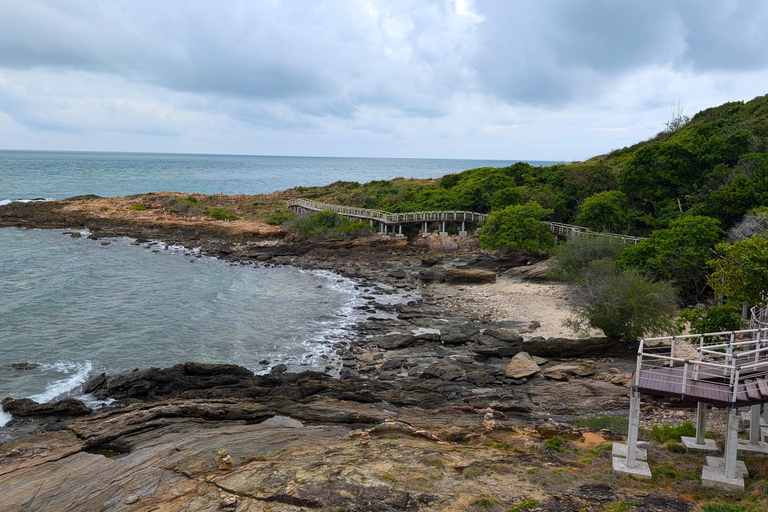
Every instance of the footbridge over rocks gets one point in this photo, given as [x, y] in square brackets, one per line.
[384, 220]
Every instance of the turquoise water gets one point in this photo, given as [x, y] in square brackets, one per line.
[76, 308]
[57, 175]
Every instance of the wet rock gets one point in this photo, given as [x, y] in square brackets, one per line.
[393, 341]
[21, 366]
[279, 368]
[521, 366]
[28, 407]
[468, 276]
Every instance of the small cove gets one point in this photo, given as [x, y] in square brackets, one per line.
[75, 307]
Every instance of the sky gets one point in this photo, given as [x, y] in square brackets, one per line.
[556, 80]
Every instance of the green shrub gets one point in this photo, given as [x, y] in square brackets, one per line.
[220, 214]
[279, 217]
[676, 448]
[574, 256]
[518, 227]
[557, 444]
[712, 319]
[138, 207]
[660, 434]
[326, 224]
[190, 200]
[624, 304]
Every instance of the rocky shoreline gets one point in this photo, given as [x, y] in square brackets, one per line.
[423, 377]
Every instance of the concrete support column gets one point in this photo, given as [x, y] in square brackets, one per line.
[634, 425]
[400, 229]
[701, 422]
[731, 443]
[370, 221]
[754, 425]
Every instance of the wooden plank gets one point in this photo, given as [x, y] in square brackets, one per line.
[762, 385]
[752, 389]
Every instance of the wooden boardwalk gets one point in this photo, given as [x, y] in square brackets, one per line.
[394, 219]
[731, 374]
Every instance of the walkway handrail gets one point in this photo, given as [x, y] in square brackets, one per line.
[557, 228]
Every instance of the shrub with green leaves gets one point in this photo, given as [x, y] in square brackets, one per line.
[220, 214]
[279, 217]
[662, 433]
[605, 211]
[574, 256]
[518, 227]
[138, 207]
[741, 272]
[712, 319]
[624, 304]
[326, 224]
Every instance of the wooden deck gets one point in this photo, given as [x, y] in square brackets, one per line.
[709, 386]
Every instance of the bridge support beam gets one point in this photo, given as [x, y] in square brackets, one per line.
[463, 231]
[443, 232]
[425, 229]
[632, 463]
[700, 443]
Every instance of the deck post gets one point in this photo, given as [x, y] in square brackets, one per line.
[701, 422]
[731, 442]
[754, 425]
[634, 424]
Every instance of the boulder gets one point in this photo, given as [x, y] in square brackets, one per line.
[497, 343]
[563, 371]
[394, 340]
[459, 335]
[536, 271]
[521, 366]
[468, 276]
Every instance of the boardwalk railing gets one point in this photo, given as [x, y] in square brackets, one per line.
[387, 218]
[724, 368]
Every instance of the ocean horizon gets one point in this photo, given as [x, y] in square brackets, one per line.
[42, 174]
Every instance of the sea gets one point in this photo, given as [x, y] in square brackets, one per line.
[72, 307]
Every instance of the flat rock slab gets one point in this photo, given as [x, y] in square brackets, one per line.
[521, 365]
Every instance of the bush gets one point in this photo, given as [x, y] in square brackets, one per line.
[326, 224]
[138, 207]
[624, 304]
[572, 257]
[220, 214]
[279, 217]
[518, 227]
[605, 211]
[679, 254]
[712, 319]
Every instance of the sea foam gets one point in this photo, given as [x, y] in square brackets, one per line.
[60, 387]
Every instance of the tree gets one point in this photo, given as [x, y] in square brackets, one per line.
[624, 304]
[605, 211]
[741, 273]
[679, 254]
[518, 227]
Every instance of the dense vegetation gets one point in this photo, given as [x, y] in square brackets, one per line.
[690, 189]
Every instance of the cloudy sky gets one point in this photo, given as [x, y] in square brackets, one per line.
[496, 79]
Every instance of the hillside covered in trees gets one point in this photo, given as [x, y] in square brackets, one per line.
[698, 191]
[714, 165]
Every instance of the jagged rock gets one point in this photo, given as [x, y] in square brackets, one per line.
[551, 428]
[521, 366]
[468, 276]
[459, 335]
[28, 407]
[393, 341]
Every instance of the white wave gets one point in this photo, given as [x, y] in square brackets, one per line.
[4, 417]
[4, 202]
[59, 387]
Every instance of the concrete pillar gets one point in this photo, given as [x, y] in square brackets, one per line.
[731, 443]
[765, 412]
[370, 221]
[400, 229]
[634, 425]
[701, 422]
[754, 425]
